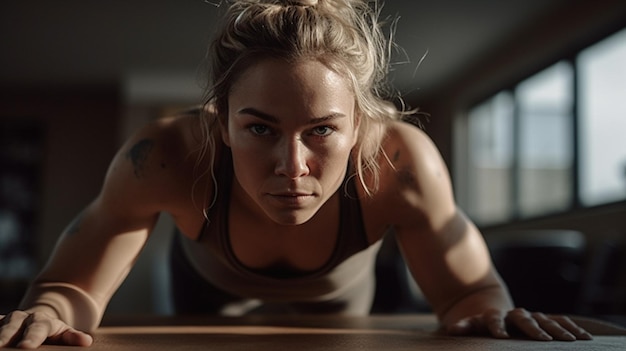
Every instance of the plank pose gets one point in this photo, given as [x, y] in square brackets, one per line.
[282, 185]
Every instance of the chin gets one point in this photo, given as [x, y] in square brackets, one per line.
[291, 218]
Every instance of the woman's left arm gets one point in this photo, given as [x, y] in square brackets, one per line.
[446, 253]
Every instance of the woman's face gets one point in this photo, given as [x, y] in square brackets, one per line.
[291, 128]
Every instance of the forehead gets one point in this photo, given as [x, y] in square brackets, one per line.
[303, 70]
[275, 82]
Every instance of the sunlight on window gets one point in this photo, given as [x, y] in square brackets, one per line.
[490, 158]
[545, 103]
[602, 112]
[520, 146]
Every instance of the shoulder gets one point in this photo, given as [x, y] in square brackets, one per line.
[405, 139]
[410, 150]
[173, 133]
[414, 180]
[161, 146]
[158, 164]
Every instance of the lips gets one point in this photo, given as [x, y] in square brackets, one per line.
[291, 194]
[291, 199]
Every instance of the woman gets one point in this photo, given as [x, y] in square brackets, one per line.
[282, 186]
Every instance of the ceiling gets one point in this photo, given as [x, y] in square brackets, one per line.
[147, 43]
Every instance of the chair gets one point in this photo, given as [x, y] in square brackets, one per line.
[543, 269]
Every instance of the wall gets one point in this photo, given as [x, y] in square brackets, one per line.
[80, 129]
[80, 126]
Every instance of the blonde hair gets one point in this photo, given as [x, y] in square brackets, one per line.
[345, 35]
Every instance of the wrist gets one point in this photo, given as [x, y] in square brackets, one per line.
[64, 301]
[478, 301]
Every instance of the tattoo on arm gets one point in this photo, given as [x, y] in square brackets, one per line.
[396, 156]
[138, 154]
[405, 176]
[407, 179]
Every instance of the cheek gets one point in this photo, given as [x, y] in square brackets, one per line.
[335, 158]
[249, 170]
[343, 146]
[248, 159]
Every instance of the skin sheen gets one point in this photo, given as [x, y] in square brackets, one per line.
[291, 129]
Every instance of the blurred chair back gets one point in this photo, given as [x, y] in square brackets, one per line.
[542, 268]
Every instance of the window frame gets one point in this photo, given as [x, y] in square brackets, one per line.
[461, 137]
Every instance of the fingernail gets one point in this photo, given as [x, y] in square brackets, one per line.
[544, 336]
[23, 343]
[568, 337]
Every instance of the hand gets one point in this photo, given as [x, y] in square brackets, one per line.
[31, 330]
[537, 326]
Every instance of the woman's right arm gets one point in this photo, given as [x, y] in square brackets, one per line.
[97, 250]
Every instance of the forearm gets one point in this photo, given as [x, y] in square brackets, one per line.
[65, 301]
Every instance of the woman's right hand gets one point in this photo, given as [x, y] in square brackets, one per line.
[30, 330]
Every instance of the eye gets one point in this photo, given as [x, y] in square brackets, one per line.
[259, 129]
[323, 131]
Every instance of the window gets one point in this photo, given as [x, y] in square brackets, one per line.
[545, 153]
[602, 121]
[551, 142]
[491, 156]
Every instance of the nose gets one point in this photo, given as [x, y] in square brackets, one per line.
[292, 158]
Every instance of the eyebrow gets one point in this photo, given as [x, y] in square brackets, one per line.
[272, 119]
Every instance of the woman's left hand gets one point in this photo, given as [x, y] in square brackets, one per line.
[537, 326]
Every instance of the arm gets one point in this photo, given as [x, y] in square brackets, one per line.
[446, 253]
[96, 251]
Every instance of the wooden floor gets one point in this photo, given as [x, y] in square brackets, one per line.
[303, 333]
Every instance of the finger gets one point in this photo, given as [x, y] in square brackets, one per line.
[37, 329]
[11, 327]
[572, 327]
[525, 322]
[553, 328]
[73, 337]
[494, 322]
[43, 329]
[465, 326]
[461, 327]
